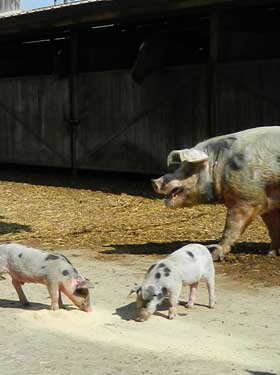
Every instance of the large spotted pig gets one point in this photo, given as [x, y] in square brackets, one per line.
[240, 170]
[186, 266]
[28, 265]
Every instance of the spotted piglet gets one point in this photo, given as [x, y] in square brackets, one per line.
[186, 266]
[28, 265]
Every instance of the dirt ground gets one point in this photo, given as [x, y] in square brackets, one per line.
[113, 228]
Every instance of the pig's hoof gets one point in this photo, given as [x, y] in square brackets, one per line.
[189, 305]
[273, 253]
[139, 320]
[171, 316]
[217, 253]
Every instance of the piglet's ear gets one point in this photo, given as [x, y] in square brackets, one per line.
[84, 284]
[136, 289]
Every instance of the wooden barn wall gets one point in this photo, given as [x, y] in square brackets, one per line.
[33, 126]
[247, 96]
[127, 127]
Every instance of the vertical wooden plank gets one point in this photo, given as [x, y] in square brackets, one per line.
[271, 91]
[247, 94]
[73, 120]
[214, 30]
[33, 128]
[127, 127]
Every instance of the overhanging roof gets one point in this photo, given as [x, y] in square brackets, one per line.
[106, 11]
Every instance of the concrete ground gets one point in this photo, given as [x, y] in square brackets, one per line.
[240, 336]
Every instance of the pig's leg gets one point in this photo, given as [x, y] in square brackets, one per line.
[238, 218]
[210, 282]
[272, 221]
[20, 292]
[173, 300]
[53, 289]
[191, 301]
[60, 302]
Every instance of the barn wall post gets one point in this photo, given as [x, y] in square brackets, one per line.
[214, 36]
[73, 120]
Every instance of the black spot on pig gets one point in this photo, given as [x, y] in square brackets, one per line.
[20, 255]
[236, 162]
[164, 290]
[157, 275]
[220, 145]
[43, 267]
[190, 254]
[149, 293]
[51, 257]
[81, 292]
[152, 267]
[67, 260]
[161, 265]
[167, 271]
[65, 273]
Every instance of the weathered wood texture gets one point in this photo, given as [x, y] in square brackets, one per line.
[9, 5]
[126, 127]
[33, 124]
[132, 128]
[247, 96]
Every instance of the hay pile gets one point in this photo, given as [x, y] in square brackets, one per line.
[119, 217]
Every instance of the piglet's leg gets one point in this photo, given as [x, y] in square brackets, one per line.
[211, 291]
[173, 300]
[193, 289]
[54, 294]
[60, 302]
[20, 292]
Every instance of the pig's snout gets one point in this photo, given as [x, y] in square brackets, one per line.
[88, 309]
[84, 306]
[143, 315]
[138, 319]
[157, 184]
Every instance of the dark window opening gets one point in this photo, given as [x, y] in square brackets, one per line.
[250, 34]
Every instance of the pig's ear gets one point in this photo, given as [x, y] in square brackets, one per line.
[84, 284]
[136, 289]
[189, 155]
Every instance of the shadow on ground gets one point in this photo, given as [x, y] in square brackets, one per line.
[9, 304]
[260, 373]
[107, 182]
[33, 306]
[128, 312]
[167, 248]
[6, 228]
